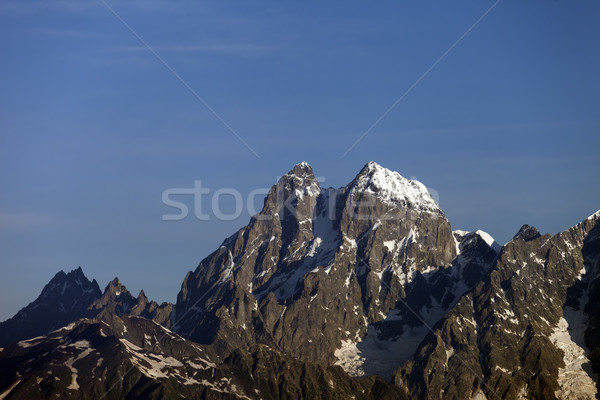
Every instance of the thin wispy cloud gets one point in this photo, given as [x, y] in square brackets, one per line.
[65, 33]
[222, 48]
[25, 220]
[33, 7]
[70, 6]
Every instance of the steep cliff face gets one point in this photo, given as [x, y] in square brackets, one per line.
[522, 331]
[317, 269]
[393, 340]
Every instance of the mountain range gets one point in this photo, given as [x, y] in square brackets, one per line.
[362, 292]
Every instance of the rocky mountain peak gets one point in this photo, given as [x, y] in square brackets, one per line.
[117, 300]
[294, 195]
[77, 271]
[299, 176]
[71, 275]
[301, 179]
[64, 299]
[73, 283]
[115, 288]
[302, 168]
[527, 233]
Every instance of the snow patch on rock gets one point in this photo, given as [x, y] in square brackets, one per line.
[576, 379]
[7, 391]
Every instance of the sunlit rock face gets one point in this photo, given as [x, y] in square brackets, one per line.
[320, 271]
[529, 329]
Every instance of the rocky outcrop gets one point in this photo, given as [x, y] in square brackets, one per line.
[117, 300]
[63, 300]
[519, 332]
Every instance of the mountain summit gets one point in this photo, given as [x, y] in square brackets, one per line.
[319, 270]
[390, 186]
[363, 291]
[69, 297]
[63, 300]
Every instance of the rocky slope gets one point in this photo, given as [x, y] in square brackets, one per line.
[522, 331]
[135, 358]
[331, 275]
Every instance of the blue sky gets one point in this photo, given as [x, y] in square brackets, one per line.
[93, 128]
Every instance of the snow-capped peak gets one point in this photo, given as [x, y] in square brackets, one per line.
[594, 216]
[489, 240]
[460, 233]
[391, 187]
[303, 164]
[460, 236]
